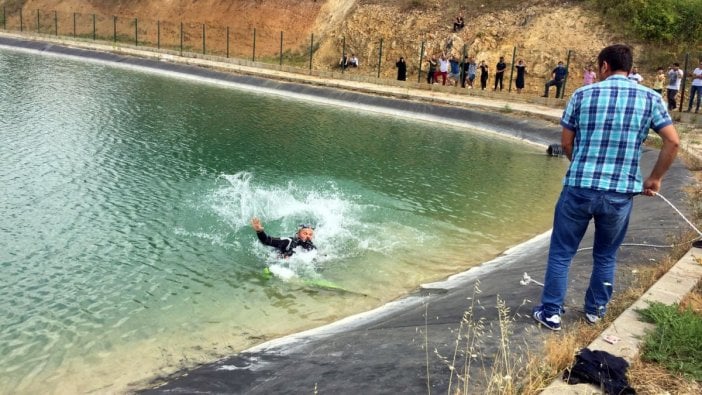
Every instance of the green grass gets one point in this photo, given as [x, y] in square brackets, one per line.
[676, 343]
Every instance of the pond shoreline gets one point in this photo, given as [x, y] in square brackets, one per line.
[385, 350]
[527, 122]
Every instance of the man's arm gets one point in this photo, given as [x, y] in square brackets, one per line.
[264, 238]
[280, 244]
[567, 142]
[671, 142]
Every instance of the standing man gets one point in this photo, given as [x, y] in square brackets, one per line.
[401, 69]
[431, 70]
[696, 87]
[443, 68]
[454, 70]
[464, 71]
[589, 76]
[634, 76]
[472, 70]
[500, 72]
[674, 78]
[558, 75]
[603, 140]
[484, 74]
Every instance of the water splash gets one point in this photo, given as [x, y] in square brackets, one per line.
[345, 227]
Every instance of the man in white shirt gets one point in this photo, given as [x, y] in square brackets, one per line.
[674, 77]
[696, 87]
[443, 68]
[635, 76]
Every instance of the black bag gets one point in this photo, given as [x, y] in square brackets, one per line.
[602, 369]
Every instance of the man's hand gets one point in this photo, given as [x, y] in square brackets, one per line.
[256, 224]
[651, 186]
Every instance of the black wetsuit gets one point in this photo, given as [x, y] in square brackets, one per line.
[285, 245]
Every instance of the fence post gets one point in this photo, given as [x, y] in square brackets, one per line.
[4, 19]
[227, 42]
[511, 73]
[565, 80]
[38, 21]
[311, 49]
[21, 22]
[158, 34]
[253, 56]
[114, 28]
[281, 47]
[682, 83]
[55, 23]
[93, 27]
[74, 25]
[421, 56]
[343, 54]
[380, 55]
[136, 32]
[204, 47]
[181, 38]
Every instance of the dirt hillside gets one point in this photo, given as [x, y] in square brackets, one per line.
[542, 31]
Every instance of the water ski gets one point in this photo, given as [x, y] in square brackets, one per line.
[322, 283]
[318, 283]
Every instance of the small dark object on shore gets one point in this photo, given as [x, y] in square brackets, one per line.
[555, 150]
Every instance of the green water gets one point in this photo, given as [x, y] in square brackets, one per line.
[125, 245]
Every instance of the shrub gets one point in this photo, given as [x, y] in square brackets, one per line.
[676, 22]
[676, 343]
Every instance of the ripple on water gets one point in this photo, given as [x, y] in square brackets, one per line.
[126, 205]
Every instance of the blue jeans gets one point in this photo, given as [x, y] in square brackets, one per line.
[559, 85]
[698, 91]
[575, 208]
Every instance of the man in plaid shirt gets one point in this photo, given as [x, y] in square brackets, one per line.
[604, 126]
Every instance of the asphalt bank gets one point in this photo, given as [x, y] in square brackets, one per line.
[408, 345]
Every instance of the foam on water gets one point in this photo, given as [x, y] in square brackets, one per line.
[345, 227]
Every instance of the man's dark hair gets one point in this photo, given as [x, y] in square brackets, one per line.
[619, 57]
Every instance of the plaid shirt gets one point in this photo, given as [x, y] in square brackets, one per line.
[611, 120]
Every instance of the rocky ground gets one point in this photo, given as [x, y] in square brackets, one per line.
[542, 31]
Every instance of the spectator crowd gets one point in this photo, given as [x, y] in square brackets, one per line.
[445, 68]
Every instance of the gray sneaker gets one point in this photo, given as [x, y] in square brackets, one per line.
[591, 319]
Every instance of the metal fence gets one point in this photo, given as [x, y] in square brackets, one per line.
[265, 45]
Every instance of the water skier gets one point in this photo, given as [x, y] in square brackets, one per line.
[286, 245]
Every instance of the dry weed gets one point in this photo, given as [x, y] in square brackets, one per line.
[652, 378]
[693, 300]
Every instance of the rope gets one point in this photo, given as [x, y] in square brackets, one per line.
[526, 279]
[678, 211]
